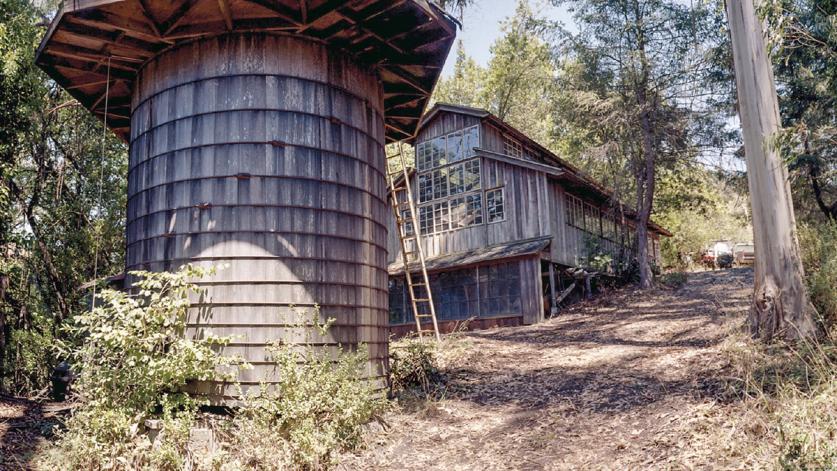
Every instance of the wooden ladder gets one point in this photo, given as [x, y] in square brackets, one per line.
[409, 233]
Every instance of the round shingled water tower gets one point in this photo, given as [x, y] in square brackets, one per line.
[256, 133]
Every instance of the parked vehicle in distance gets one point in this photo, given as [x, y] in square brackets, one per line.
[744, 253]
[719, 251]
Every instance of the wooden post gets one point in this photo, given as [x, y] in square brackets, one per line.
[553, 307]
[780, 302]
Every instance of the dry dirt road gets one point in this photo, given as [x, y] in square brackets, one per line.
[616, 383]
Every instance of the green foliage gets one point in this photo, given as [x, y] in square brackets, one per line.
[413, 367]
[804, 39]
[518, 84]
[317, 409]
[31, 357]
[819, 257]
[133, 361]
[52, 221]
[720, 211]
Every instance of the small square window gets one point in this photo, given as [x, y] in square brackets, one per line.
[512, 148]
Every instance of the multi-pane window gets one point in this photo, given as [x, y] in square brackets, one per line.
[575, 212]
[426, 219]
[472, 175]
[512, 147]
[466, 211]
[449, 182]
[495, 206]
[471, 140]
[464, 177]
[425, 187]
[499, 289]
[441, 217]
[592, 219]
[447, 149]
[440, 183]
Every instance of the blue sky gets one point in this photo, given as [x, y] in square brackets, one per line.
[482, 23]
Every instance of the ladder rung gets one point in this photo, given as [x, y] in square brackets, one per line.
[422, 300]
[424, 315]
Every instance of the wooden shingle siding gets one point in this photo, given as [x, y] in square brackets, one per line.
[265, 153]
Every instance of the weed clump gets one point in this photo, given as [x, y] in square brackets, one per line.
[134, 361]
[414, 368]
[792, 391]
[819, 256]
[316, 410]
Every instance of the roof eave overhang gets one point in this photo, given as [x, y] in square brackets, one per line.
[406, 41]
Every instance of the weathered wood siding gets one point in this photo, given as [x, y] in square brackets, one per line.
[526, 201]
[264, 152]
[531, 294]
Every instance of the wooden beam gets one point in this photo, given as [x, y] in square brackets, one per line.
[104, 20]
[146, 15]
[303, 10]
[408, 80]
[399, 130]
[140, 47]
[279, 10]
[224, 6]
[323, 10]
[61, 63]
[81, 53]
[175, 18]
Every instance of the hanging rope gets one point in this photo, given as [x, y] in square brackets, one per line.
[97, 237]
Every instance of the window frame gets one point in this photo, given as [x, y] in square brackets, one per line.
[512, 147]
[502, 191]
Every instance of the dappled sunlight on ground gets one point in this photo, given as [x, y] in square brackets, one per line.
[607, 385]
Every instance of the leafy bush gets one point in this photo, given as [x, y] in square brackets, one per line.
[413, 366]
[134, 361]
[819, 256]
[317, 409]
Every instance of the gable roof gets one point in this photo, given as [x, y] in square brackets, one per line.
[568, 172]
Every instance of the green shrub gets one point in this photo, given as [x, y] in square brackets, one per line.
[413, 366]
[819, 256]
[133, 361]
[317, 409]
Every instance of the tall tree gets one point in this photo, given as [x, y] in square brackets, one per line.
[643, 70]
[805, 63]
[781, 306]
[53, 222]
[519, 85]
[465, 86]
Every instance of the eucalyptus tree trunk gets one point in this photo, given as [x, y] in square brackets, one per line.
[781, 306]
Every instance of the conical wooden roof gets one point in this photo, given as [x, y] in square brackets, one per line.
[406, 40]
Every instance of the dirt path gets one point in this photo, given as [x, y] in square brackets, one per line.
[608, 385]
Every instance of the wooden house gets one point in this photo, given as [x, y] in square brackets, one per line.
[502, 219]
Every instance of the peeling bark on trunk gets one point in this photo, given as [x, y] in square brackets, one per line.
[781, 306]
